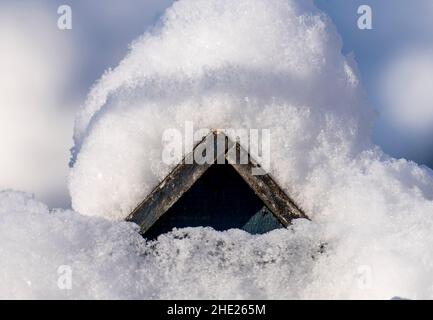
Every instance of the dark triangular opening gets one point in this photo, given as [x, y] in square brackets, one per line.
[221, 199]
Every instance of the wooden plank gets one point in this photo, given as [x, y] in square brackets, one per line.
[162, 198]
[173, 186]
[265, 187]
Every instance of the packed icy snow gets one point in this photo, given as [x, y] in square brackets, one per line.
[239, 64]
[110, 260]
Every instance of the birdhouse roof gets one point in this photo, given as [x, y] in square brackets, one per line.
[187, 172]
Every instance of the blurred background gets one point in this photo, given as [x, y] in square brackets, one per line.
[395, 60]
[45, 74]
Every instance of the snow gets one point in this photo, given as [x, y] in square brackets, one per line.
[230, 64]
[219, 64]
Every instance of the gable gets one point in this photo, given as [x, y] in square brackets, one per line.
[220, 199]
[185, 175]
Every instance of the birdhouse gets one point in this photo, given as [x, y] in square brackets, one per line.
[223, 194]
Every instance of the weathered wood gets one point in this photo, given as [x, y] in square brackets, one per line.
[173, 187]
[162, 198]
[184, 175]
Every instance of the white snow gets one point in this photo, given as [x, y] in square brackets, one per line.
[112, 261]
[239, 64]
[219, 64]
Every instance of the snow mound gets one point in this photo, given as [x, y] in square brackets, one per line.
[260, 64]
[112, 261]
[219, 64]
